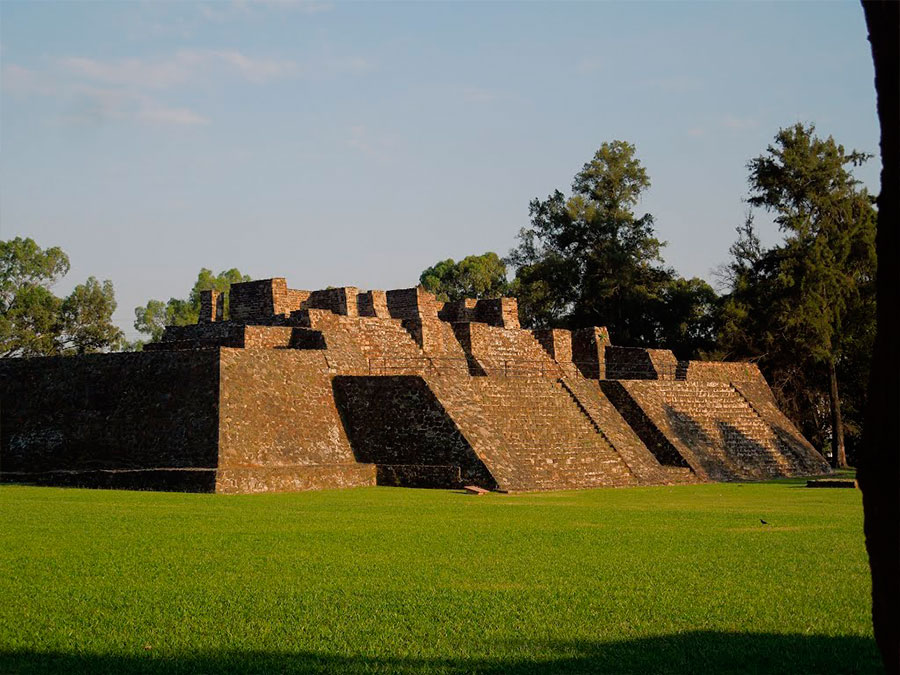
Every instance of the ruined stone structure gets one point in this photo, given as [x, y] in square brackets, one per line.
[339, 388]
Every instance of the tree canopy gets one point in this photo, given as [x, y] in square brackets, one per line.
[805, 308]
[588, 259]
[35, 322]
[475, 276]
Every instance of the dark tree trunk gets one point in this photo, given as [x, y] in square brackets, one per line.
[838, 452]
[879, 464]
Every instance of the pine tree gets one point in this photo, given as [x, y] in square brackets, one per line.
[808, 302]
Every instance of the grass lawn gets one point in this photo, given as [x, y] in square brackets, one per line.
[675, 580]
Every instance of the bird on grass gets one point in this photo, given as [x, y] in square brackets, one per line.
[763, 522]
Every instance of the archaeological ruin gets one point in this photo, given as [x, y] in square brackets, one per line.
[301, 390]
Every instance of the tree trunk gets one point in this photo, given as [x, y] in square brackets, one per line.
[879, 462]
[838, 453]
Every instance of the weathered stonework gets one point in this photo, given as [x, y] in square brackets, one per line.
[589, 351]
[111, 419]
[212, 306]
[339, 387]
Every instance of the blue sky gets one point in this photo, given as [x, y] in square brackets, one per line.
[358, 143]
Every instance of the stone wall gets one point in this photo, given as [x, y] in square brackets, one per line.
[267, 337]
[458, 311]
[277, 410]
[244, 480]
[306, 338]
[146, 420]
[665, 365]
[718, 371]
[397, 423]
[253, 301]
[200, 336]
[637, 363]
[280, 428]
[506, 351]
[234, 335]
[372, 303]
[343, 354]
[557, 343]
[589, 351]
[264, 300]
[439, 345]
[367, 345]
[341, 301]
[286, 300]
[412, 303]
[212, 306]
[500, 312]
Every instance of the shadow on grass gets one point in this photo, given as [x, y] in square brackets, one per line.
[694, 652]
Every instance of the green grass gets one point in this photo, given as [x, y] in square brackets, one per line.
[679, 580]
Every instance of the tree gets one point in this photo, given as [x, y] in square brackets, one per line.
[28, 309]
[687, 315]
[805, 308]
[86, 319]
[475, 276]
[879, 466]
[34, 321]
[748, 330]
[588, 259]
[152, 318]
[28, 323]
[24, 264]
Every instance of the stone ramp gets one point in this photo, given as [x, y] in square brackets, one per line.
[646, 468]
[799, 452]
[530, 433]
[670, 451]
[710, 424]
